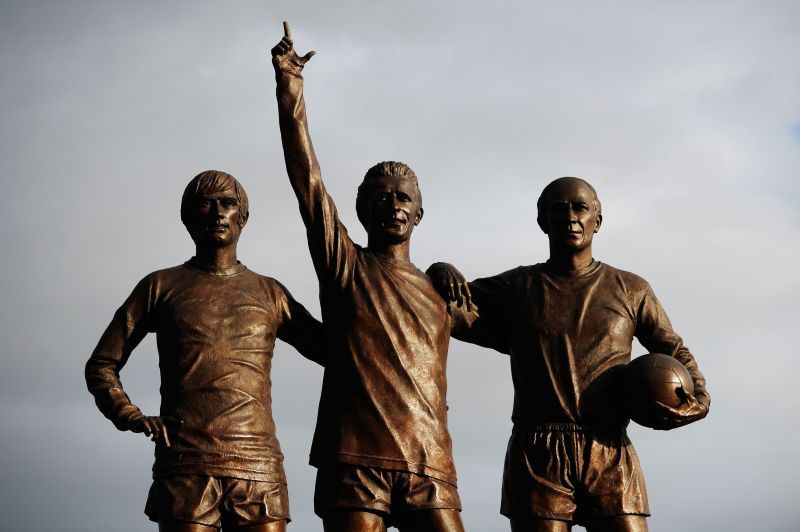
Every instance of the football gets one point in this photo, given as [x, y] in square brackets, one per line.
[651, 379]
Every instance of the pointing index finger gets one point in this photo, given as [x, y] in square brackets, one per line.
[287, 32]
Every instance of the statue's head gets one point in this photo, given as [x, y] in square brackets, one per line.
[214, 208]
[569, 212]
[389, 202]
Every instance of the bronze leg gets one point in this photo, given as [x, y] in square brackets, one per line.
[620, 523]
[353, 521]
[185, 527]
[435, 520]
[535, 524]
[275, 526]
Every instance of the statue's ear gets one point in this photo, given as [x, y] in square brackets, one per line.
[598, 221]
[243, 217]
[418, 219]
[542, 223]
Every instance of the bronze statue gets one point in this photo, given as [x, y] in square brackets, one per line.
[381, 444]
[217, 459]
[568, 326]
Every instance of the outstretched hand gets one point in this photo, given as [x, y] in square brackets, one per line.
[450, 284]
[284, 56]
[689, 411]
[153, 426]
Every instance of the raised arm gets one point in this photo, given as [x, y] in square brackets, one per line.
[298, 152]
[331, 248]
[123, 334]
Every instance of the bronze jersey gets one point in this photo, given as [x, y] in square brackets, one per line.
[383, 401]
[215, 336]
[567, 334]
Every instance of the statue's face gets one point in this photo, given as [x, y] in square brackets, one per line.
[393, 208]
[215, 219]
[571, 217]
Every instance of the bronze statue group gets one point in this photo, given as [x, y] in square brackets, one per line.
[381, 444]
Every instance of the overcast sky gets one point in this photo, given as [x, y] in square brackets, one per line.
[685, 116]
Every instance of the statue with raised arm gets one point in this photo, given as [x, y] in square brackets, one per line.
[218, 463]
[381, 445]
[568, 326]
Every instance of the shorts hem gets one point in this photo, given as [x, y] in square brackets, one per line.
[216, 501]
[217, 525]
[566, 518]
[572, 520]
[381, 509]
[389, 464]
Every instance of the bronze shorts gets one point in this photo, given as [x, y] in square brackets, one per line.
[216, 501]
[562, 471]
[385, 491]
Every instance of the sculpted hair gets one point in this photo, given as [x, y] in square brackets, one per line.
[540, 203]
[385, 168]
[210, 182]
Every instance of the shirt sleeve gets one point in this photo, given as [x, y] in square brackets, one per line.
[300, 329]
[654, 332]
[332, 251]
[130, 324]
[486, 324]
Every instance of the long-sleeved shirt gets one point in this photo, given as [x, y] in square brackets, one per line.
[215, 336]
[567, 333]
[383, 401]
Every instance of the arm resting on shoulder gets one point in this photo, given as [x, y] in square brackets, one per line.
[476, 308]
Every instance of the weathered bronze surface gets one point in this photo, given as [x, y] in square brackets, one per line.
[215, 323]
[568, 326]
[381, 445]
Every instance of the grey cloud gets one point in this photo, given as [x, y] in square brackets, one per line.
[681, 115]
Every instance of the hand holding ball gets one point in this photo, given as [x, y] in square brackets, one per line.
[652, 379]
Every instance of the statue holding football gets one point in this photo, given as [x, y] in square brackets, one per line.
[568, 325]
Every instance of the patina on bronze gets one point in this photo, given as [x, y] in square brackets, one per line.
[381, 444]
[568, 326]
[217, 459]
